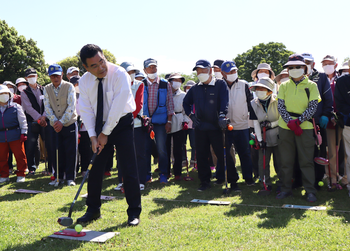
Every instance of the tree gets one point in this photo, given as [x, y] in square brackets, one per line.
[75, 61]
[346, 60]
[275, 54]
[17, 54]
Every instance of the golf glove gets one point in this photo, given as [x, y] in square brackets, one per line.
[223, 122]
[294, 125]
[323, 121]
[266, 124]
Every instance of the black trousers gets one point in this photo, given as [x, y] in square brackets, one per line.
[85, 151]
[122, 137]
[67, 150]
[203, 141]
[178, 138]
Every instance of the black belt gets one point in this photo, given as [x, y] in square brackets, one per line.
[177, 112]
[9, 128]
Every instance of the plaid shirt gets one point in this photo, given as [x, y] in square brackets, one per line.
[153, 97]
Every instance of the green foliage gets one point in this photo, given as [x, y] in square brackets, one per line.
[275, 54]
[17, 54]
[75, 61]
[346, 59]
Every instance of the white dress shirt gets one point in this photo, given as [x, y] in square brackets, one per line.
[117, 98]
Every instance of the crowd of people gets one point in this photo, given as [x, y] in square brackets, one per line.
[299, 117]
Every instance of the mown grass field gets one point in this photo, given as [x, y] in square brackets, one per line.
[169, 221]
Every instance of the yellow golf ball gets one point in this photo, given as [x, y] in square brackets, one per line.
[78, 228]
[320, 183]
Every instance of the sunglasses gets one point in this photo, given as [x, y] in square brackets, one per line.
[294, 67]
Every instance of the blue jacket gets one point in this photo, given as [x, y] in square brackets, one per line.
[10, 122]
[160, 115]
[210, 101]
[325, 107]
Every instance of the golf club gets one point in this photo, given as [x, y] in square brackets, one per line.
[58, 180]
[265, 191]
[46, 172]
[187, 177]
[337, 158]
[319, 160]
[67, 221]
[230, 128]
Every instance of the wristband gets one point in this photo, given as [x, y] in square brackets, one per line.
[169, 122]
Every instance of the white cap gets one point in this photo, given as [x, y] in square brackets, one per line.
[72, 69]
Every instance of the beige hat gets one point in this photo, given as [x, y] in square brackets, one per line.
[263, 66]
[279, 76]
[4, 89]
[345, 66]
[176, 75]
[264, 82]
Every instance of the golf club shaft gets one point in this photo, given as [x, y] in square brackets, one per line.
[336, 152]
[224, 143]
[82, 183]
[264, 157]
[58, 181]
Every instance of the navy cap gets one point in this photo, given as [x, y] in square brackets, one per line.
[30, 71]
[295, 59]
[140, 74]
[55, 69]
[228, 66]
[218, 63]
[148, 62]
[202, 63]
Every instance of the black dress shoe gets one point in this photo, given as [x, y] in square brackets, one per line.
[133, 221]
[88, 216]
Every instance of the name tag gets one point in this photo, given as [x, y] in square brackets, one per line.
[41, 97]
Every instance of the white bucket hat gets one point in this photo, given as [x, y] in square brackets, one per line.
[4, 89]
[264, 82]
[263, 66]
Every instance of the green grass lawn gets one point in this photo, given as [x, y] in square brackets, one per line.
[169, 221]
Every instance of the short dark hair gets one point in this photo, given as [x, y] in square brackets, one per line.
[89, 51]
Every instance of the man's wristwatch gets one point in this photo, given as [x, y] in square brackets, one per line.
[169, 122]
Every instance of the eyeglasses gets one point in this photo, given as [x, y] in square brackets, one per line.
[294, 67]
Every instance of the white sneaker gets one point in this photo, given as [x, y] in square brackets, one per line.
[119, 187]
[142, 187]
[3, 180]
[70, 183]
[52, 183]
[21, 179]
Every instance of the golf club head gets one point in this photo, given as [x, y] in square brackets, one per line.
[65, 221]
[264, 192]
[321, 161]
[226, 191]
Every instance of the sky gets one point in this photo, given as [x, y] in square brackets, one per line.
[178, 33]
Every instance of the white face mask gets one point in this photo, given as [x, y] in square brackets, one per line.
[262, 95]
[132, 76]
[344, 73]
[4, 98]
[284, 80]
[218, 75]
[77, 89]
[296, 73]
[232, 77]
[32, 81]
[152, 75]
[309, 70]
[262, 75]
[203, 77]
[176, 85]
[328, 69]
[12, 90]
[22, 88]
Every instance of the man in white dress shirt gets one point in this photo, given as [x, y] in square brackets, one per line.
[110, 83]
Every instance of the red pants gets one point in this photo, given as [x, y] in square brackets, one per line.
[17, 147]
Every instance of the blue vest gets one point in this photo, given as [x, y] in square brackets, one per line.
[9, 121]
[160, 115]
